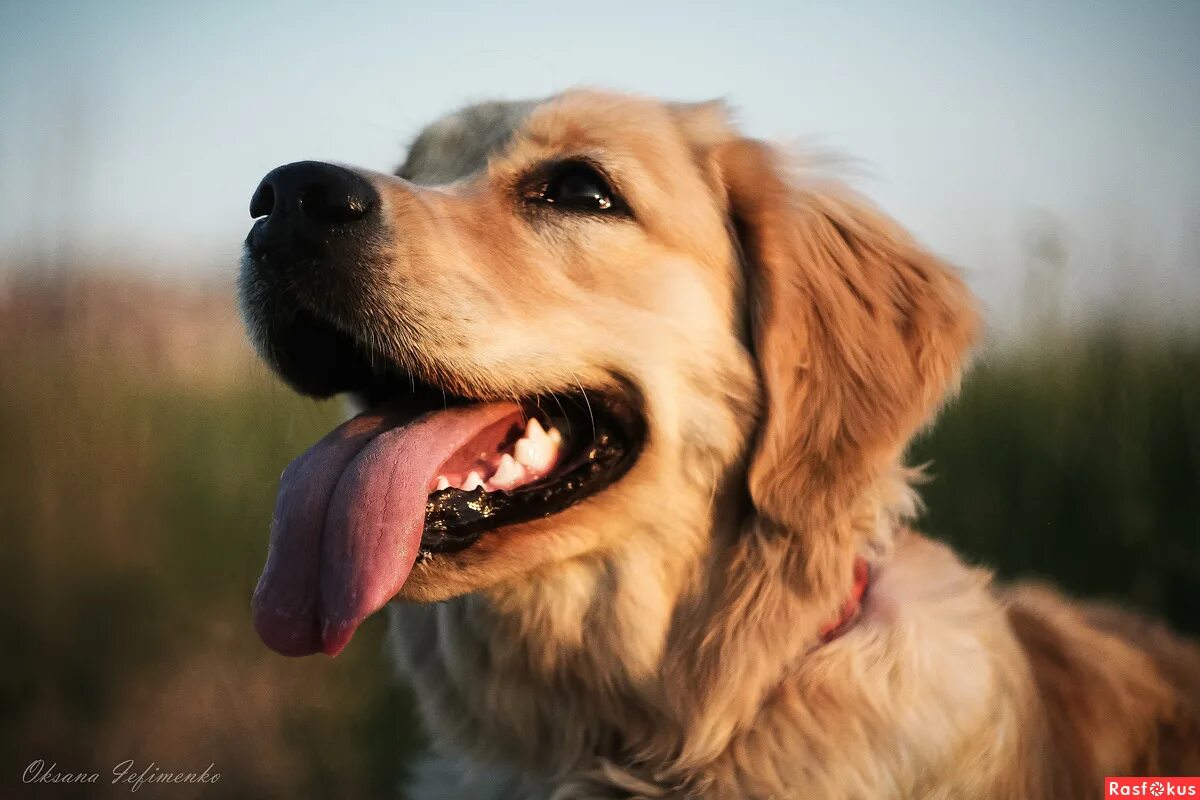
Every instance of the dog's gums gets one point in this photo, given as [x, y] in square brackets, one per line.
[519, 463]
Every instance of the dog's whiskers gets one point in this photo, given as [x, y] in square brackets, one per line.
[562, 408]
[587, 402]
[524, 417]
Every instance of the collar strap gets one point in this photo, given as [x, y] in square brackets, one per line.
[846, 617]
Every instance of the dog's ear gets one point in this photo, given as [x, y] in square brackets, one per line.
[858, 332]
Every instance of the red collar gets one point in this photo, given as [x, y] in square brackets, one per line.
[836, 627]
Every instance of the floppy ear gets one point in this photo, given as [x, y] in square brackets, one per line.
[858, 333]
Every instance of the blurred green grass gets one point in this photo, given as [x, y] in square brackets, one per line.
[138, 471]
[1077, 458]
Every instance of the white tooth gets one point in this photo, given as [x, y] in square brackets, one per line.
[472, 482]
[535, 455]
[534, 430]
[555, 437]
[507, 473]
[442, 483]
[523, 450]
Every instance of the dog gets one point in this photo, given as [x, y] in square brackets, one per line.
[629, 478]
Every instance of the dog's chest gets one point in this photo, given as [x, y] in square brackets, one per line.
[486, 694]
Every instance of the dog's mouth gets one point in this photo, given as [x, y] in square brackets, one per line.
[422, 471]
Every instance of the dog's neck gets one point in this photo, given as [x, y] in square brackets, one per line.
[568, 670]
[838, 625]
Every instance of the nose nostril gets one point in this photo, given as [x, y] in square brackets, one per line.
[328, 205]
[263, 201]
[314, 204]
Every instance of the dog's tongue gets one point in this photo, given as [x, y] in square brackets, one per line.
[348, 522]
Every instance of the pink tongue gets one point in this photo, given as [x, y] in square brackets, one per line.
[348, 523]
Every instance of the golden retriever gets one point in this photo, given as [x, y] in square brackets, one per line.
[636, 394]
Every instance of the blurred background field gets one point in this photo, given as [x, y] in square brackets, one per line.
[1051, 149]
[1077, 460]
[139, 448]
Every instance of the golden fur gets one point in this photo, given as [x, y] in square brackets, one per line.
[661, 638]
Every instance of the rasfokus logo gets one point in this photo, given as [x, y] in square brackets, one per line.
[1151, 787]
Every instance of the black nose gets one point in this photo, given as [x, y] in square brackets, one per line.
[309, 204]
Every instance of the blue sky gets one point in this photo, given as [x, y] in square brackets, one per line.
[137, 131]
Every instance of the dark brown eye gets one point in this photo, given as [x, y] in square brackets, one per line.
[576, 186]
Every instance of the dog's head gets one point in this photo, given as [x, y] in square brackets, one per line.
[573, 324]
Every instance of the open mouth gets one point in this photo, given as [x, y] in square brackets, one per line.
[555, 451]
[422, 471]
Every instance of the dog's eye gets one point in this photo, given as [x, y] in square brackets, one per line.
[576, 186]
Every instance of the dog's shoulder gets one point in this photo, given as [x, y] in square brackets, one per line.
[1121, 692]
